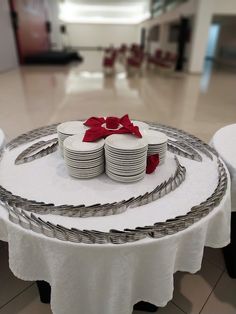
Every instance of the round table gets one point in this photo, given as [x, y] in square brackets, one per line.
[168, 218]
[224, 142]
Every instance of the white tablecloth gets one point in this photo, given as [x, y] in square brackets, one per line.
[2, 138]
[224, 141]
[108, 278]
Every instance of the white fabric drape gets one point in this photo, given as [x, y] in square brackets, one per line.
[224, 142]
[108, 279]
[2, 139]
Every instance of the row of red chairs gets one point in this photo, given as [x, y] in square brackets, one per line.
[136, 56]
[161, 59]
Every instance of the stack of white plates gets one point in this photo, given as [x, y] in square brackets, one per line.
[157, 144]
[83, 160]
[69, 128]
[126, 157]
[141, 125]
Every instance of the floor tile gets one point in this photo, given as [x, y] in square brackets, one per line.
[26, 303]
[222, 300]
[10, 286]
[192, 290]
[169, 309]
[215, 256]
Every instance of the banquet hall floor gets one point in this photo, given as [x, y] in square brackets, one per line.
[34, 96]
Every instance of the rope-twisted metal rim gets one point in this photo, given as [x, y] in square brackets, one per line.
[157, 230]
[7, 198]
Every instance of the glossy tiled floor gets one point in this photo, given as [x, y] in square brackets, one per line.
[34, 96]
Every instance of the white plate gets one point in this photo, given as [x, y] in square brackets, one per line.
[125, 179]
[75, 143]
[84, 156]
[120, 154]
[126, 162]
[125, 166]
[156, 152]
[71, 128]
[96, 159]
[84, 172]
[141, 125]
[84, 166]
[126, 172]
[155, 137]
[85, 153]
[86, 176]
[77, 159]
[126, 142]
[125, 156]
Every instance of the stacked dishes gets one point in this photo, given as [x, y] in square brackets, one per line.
[68, 129]
[141, 125]
[157, 144]
[126, 157]
[83, 160]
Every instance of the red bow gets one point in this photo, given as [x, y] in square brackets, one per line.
[152, 163]
[97, 130]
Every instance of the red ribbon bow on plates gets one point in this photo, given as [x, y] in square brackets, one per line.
[101, 127]
[152, 163]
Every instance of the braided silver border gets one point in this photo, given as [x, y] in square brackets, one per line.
[158, 230]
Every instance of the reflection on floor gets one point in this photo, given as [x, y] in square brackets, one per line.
[34, 96]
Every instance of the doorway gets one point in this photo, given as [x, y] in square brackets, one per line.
[30, 23]
[212, 41]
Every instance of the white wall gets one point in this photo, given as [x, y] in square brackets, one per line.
[53, 13]
[8, 55]
[205, 11]
[226, 49]
[224, 6]
[94, 35]
[163, 42]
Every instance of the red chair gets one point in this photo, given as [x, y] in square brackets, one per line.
[109, 65]
[168, 62]
[134, 64]
[152, 60]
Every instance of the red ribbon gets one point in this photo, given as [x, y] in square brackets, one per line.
[152, 163]
[97, 131]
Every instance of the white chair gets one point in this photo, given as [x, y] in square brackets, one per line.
[224, 142]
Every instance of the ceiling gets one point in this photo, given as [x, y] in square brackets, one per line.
[104, 11]
[106, 2]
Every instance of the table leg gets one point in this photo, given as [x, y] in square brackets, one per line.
[230, 250]
[145, 307]
[44, 291]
